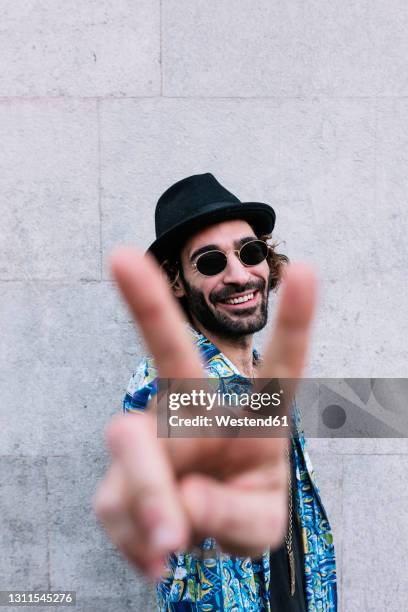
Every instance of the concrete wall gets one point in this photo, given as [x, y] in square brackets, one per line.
[102, 106]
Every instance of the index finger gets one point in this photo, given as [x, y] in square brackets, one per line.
[157, 313]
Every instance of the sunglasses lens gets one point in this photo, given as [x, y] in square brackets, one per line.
[254, 252]
[211, 263]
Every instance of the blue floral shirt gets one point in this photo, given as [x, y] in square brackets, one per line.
[221, 582]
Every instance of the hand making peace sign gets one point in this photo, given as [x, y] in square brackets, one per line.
[161, 495]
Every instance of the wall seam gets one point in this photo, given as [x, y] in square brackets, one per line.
[48, 526]
[161, 46]
[199, 97]
[99, 155]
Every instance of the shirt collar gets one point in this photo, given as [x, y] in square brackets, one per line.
[209, 352]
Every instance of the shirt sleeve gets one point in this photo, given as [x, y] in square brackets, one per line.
[142, 386]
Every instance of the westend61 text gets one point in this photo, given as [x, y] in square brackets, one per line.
[228, 421]
[206, 400]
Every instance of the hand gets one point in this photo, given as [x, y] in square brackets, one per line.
[162, 495]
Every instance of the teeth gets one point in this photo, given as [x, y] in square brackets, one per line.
[240, 300]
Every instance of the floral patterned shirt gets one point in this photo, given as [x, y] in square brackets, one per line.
[221, 582]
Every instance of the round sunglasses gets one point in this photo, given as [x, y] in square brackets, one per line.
[213, 262]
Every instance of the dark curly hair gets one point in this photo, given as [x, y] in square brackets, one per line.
[276, 261]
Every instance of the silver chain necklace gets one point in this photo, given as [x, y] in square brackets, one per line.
[288, 537]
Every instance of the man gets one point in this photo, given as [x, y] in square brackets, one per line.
[229, 497]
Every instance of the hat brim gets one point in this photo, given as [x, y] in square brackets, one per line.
[259, 215]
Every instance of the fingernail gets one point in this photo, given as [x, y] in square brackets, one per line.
[164, 539]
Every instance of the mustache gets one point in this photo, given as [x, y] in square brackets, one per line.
[224, 294]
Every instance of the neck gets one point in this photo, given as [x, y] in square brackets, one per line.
[238, 350]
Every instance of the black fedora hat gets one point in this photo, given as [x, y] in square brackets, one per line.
[196, 202]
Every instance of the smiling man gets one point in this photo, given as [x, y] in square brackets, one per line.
[260, 528]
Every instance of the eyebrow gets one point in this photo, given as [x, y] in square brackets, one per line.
[215, 247]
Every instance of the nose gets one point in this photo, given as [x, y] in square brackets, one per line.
[235, 271]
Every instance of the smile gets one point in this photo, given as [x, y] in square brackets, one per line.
[250, 298]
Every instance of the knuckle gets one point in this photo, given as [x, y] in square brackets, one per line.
[106, 506]
[114, 428]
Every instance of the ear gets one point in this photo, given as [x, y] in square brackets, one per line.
[177, 286]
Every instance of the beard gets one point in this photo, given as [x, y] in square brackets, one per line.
[235, 325]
